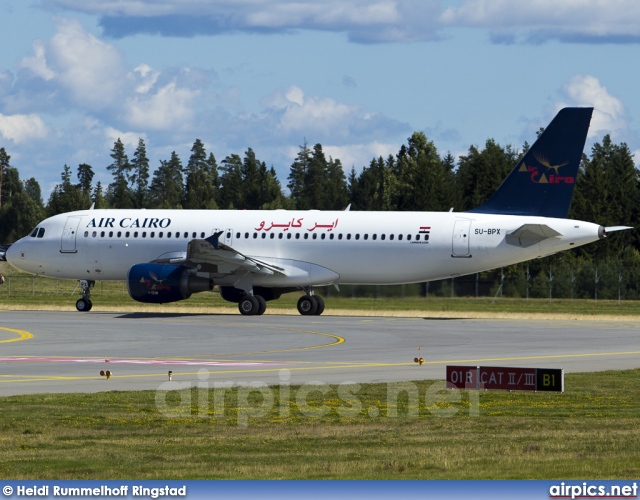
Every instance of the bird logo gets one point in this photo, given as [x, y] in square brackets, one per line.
[545, 162]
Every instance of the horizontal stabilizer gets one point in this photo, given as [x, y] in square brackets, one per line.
[613, 229]
[530, 234]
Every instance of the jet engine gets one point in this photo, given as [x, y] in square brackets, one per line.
[163, 283]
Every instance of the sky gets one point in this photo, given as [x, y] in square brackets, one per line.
[358, 77]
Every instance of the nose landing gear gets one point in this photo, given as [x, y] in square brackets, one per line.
[84, 304]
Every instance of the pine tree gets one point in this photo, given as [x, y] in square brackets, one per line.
[231, 189]
[4, 167]
[140, 176]
[201, 179]
[167, 190]
[119, 190]
[297, 174]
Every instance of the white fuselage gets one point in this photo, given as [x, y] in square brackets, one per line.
[312, 247]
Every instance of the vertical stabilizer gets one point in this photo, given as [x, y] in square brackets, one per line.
[542, 183]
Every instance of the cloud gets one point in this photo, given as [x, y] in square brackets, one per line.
[292, 115]
[363, 20]
[536, 21]
[22, 128]
[360, 155]
[609, 114]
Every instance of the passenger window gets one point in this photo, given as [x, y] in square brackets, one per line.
[288, 236]
[374, 237]
[86, 233]
[366, 236]
[127, 234]
[135, 234]
[315, 236]
[186, 235]
[194, 234]
[169, 234]
[264, 235]
[331, 236]
[160, 234]
[426, 237]
[246, 236]
[348, 236]
[340, 236]
[306, 236]
[382, 237]
[280, 236]
[399, 237]
[255, 235]
[110, 234]
[152, 235]
[297, 236]
[202, 235]
[391, 237]
[272, 235]
[94, 234]
[408, 237]
[357, 236]
[144, 234]
[101, 234]
[120, 234]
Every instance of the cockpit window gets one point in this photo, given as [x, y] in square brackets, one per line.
[34, 233]
[41, 232]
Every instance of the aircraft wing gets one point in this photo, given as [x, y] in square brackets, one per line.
[530, 234]
[211, 251]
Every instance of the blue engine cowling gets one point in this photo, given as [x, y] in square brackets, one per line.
[162, 283]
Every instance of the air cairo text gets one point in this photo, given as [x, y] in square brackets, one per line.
[149, 223]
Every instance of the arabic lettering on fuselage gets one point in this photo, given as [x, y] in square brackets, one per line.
[127, 222]
[294, 223]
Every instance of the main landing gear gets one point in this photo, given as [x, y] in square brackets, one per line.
[252, 305]
[255, 305]
[84, 304]
[311, 305]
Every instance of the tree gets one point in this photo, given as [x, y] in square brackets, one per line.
[119, 190]
[85, 178]
[66, 197]
[297, 174]
[201, 179]
[4, 167]
[32, 188]
[140, 176]
[231, 189]
[166, 187]
[480, 173]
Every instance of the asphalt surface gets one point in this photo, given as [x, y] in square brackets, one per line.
[66, 351]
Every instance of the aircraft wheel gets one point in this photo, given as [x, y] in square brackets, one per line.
[320, 302]
[248, 305]
[262, 305]
[307, 305]
[83, 305]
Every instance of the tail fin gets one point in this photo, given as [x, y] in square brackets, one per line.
[542, 182]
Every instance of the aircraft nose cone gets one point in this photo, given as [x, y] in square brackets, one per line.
[13, 254]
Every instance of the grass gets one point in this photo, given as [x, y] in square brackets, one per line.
[589, 431]
[23, 291]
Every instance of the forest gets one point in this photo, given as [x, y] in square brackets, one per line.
[417, 178]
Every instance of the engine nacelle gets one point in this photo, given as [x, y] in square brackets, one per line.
[163, 283]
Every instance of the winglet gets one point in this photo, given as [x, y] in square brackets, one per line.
[213, 239]
[542, 183]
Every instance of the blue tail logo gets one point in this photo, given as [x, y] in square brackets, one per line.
[542, 183]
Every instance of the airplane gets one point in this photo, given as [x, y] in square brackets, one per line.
[255, 256]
